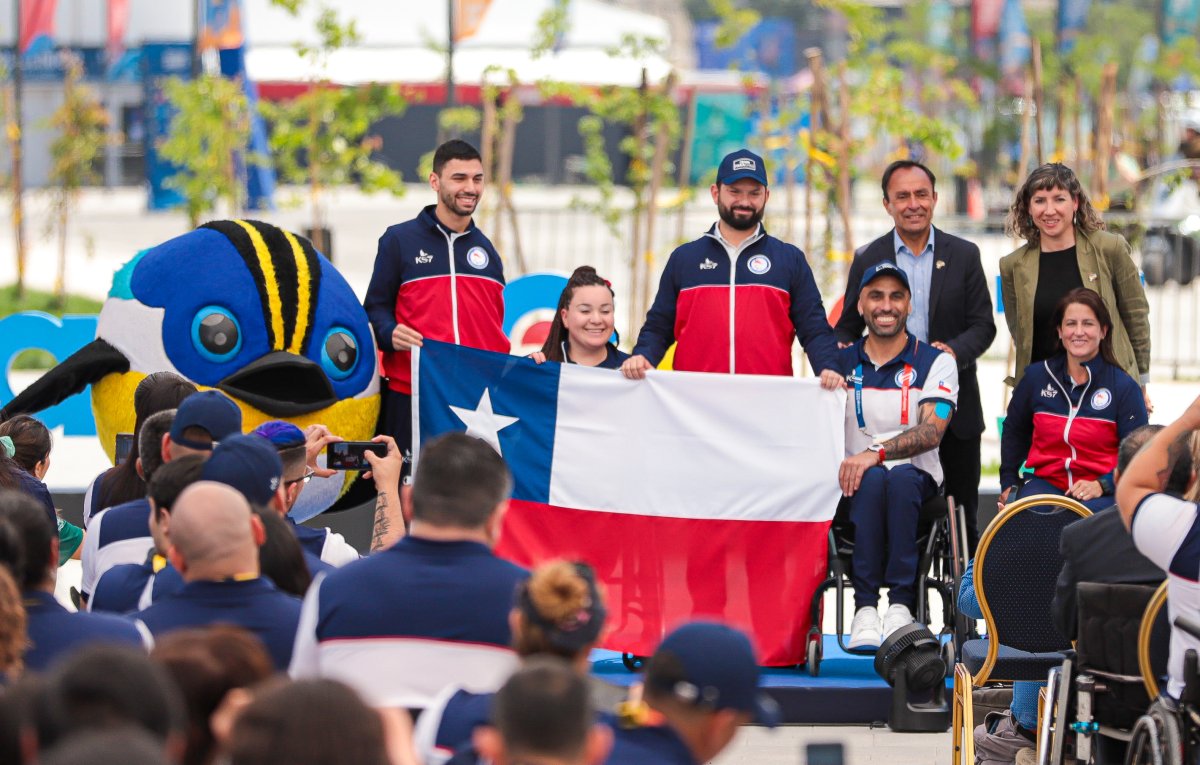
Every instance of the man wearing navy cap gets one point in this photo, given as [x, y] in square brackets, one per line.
[903, 394]
[759, 293]
[703, 681]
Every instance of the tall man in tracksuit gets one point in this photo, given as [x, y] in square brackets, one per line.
[734, 299]
[436, 276]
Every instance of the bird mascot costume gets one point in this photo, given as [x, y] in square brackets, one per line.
[238, 306]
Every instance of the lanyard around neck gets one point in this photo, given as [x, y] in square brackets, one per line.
[905, 382]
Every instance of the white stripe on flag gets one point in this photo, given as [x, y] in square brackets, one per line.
[687, 445]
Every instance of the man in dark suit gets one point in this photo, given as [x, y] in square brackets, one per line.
[1100, 549]
[951, 310]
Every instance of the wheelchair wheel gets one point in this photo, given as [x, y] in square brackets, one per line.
[1156, 739]
[633, 662]
[814, 654]
[950, 656]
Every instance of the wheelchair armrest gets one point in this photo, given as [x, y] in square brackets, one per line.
[1188, 625]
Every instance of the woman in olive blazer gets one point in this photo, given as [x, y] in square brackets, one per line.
[1052, 213]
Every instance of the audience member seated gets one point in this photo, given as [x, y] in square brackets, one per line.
[13, 634]
[201, 421]
[104, 687]
[121, 746]
[1069, 412]
[702, 682]
[133, 586]
[1100, 549]
[280, 556]
[435, 605]
[252, 466]
[904, 394]
[543, 714]
[299, 465]
[310, 722]
[214, 546]
[1165, 528]
[207, 664]
[122, 483]
[289, 441]
[13, 477]
[31, 442]
[559, 611]
[31, 554]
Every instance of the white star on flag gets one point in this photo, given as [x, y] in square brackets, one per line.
[483, 423]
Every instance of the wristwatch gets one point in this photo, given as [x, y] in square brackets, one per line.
[878, 449]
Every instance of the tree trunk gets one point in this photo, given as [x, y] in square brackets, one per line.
[685, 166]
[60, 278]
[1038, 99]
[507, 147]
[657, 168]
[816, 120]
[844, 189]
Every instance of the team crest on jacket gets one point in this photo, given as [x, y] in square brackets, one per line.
[759, 264]
[477, 257]
[910, 374]
[1101, 399]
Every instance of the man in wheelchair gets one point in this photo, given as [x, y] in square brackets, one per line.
[903, 393]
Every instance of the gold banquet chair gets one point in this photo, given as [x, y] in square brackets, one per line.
[1016, 566]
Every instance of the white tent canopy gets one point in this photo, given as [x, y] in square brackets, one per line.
[400, 40]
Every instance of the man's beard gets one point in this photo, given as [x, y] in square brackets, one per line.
[896, 328]
[452, 204]
[740, 224]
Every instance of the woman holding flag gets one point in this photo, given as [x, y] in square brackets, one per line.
[583, 324]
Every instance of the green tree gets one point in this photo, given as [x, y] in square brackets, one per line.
[81, 125]
[323, 137]
[210, 129]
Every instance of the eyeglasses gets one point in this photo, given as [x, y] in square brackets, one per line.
[302, 479]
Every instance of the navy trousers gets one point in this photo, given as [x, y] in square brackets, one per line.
[1035, 485]
[885, 512]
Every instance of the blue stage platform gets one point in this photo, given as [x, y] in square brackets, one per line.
[848, 692]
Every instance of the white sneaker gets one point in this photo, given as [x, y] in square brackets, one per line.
[894, 618]
[864, 630]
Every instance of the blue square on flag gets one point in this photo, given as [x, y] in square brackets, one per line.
[508, 401]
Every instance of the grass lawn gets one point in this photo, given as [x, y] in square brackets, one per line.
[38, 300]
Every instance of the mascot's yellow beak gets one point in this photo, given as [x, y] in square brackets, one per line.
[259, 383]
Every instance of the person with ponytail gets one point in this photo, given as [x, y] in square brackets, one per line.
[30, 441]
[123, 483]
[583, 324]
[559, 611]
[14, 476]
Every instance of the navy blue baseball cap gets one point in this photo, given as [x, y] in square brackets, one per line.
[211, 410]
[249, 464]
[742, 163]
[886, 268]
[711, 665]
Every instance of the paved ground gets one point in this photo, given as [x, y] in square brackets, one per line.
[786, 746]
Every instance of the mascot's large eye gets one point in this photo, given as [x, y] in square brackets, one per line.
[215, 334]
[339, 354]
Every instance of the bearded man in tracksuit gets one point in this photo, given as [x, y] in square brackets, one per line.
[734, 299]
[436, 276]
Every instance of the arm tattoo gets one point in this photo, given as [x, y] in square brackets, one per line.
[1176, 450]
[923, 437]
[383, 524]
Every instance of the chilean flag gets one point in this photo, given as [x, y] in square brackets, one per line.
[692, 495]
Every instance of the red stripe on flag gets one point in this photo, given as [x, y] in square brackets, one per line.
[660, 572]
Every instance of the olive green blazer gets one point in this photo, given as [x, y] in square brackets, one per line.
[1106, 267]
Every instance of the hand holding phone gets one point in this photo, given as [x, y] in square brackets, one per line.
[349, 455]
[124, 446]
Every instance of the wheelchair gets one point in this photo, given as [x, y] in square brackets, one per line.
[942, 541]
[1095, 699]
[1169, 732]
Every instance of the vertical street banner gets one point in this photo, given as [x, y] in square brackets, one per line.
[220, 25]
[468, 17]
[692, 495]
[37, 25]
[117, 24]
[1015, 48]
[160, 62]
[985, 24]
[1179, 19]
[1072, 20]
